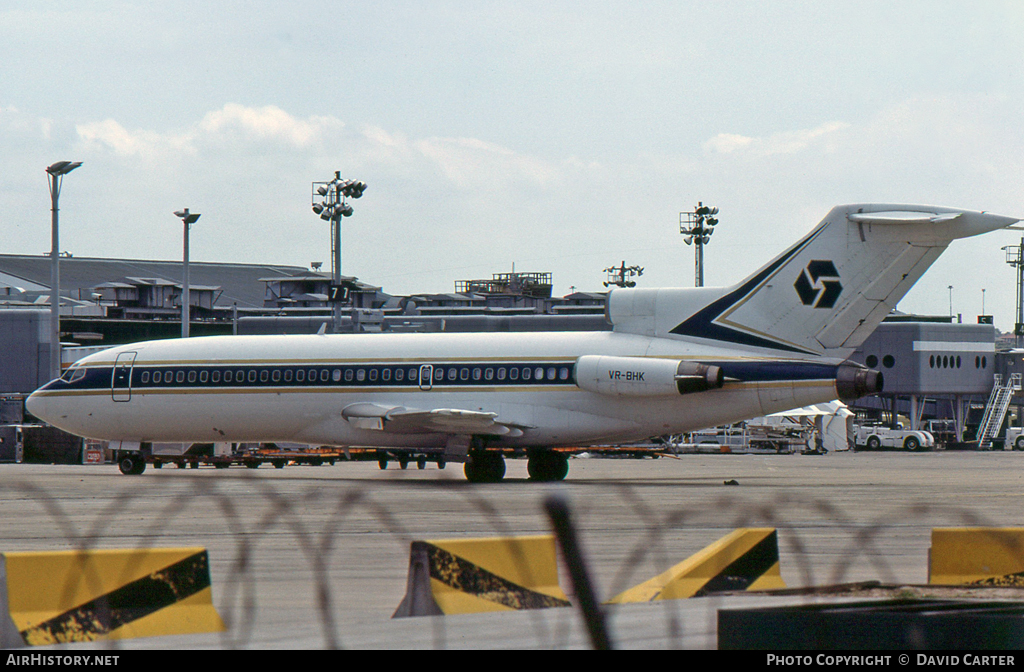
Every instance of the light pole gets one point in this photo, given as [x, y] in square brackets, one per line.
[187, 219]
[698, 226]
[1015, 258]
[621, 275]
[332, 208]
[55, 176]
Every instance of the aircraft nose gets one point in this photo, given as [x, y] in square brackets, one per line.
[38, 405]
[34, 404]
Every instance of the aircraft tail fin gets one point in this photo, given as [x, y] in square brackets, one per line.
[827, 292]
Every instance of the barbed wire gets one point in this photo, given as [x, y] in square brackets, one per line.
[250, 517]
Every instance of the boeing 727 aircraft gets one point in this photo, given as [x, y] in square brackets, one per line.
[677, 360]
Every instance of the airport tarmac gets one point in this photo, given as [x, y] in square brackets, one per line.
[315, 557]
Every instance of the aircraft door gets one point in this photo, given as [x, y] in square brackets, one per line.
[426, 376]
[121, 384]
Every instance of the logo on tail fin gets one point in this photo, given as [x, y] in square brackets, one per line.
[819, 285]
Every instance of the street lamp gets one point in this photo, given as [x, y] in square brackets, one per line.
[55, 176]
[329, 202]
[698, 226]
[187, 219]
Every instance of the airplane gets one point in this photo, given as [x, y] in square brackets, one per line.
[677, 360]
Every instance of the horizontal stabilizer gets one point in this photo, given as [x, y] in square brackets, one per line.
[905, 217]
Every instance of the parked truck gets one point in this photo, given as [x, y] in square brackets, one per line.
[1014, 438]
[874, 437]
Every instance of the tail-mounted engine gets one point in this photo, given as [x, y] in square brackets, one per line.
[645, 377]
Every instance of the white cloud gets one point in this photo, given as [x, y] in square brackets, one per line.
[473, 163]
[232, 124]
[267, 123]
[788, 142]
[109, 134]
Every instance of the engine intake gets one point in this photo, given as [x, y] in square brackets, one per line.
[645, 377]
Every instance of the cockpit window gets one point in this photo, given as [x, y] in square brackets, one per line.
[74, 374]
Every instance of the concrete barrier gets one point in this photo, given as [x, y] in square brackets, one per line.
[980, 556]
[745, 559]
[79, 596]
[461, 576]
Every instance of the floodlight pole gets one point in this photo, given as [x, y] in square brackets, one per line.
[55, 176]
[1015, 258]
[698, 226]
[332, 208]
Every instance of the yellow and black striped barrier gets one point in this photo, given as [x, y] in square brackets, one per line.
[80, 596]
[745, 559]
[978, 556]
[462, 576]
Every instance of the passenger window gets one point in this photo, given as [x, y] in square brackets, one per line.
[563, 373]
[252, 375]
[228, 376]
[204, 375]
[399, 375]
[551, 373]
[349, 375]
[513, 373]
[336, 376]
[385, 375]
[324, 374]
[373, 375]
[180, 376]
[276, 376]
[192, 376]
[145, 376]
[488, 374]
[360, 375]
[300, 375]
[215, 376]
[287, 375]
[463, 374]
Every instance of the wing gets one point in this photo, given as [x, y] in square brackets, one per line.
[402, 420]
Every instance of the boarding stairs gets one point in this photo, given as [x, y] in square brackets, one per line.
[995, 410]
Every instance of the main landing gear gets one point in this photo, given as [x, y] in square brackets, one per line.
[489, 467]
[485, 467]
[547, 465]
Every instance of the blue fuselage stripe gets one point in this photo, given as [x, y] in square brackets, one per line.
[145, 377]
[155, 377]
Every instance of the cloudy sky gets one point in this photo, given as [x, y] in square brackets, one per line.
[555, 136]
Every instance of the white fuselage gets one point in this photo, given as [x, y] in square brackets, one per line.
[117, 398]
